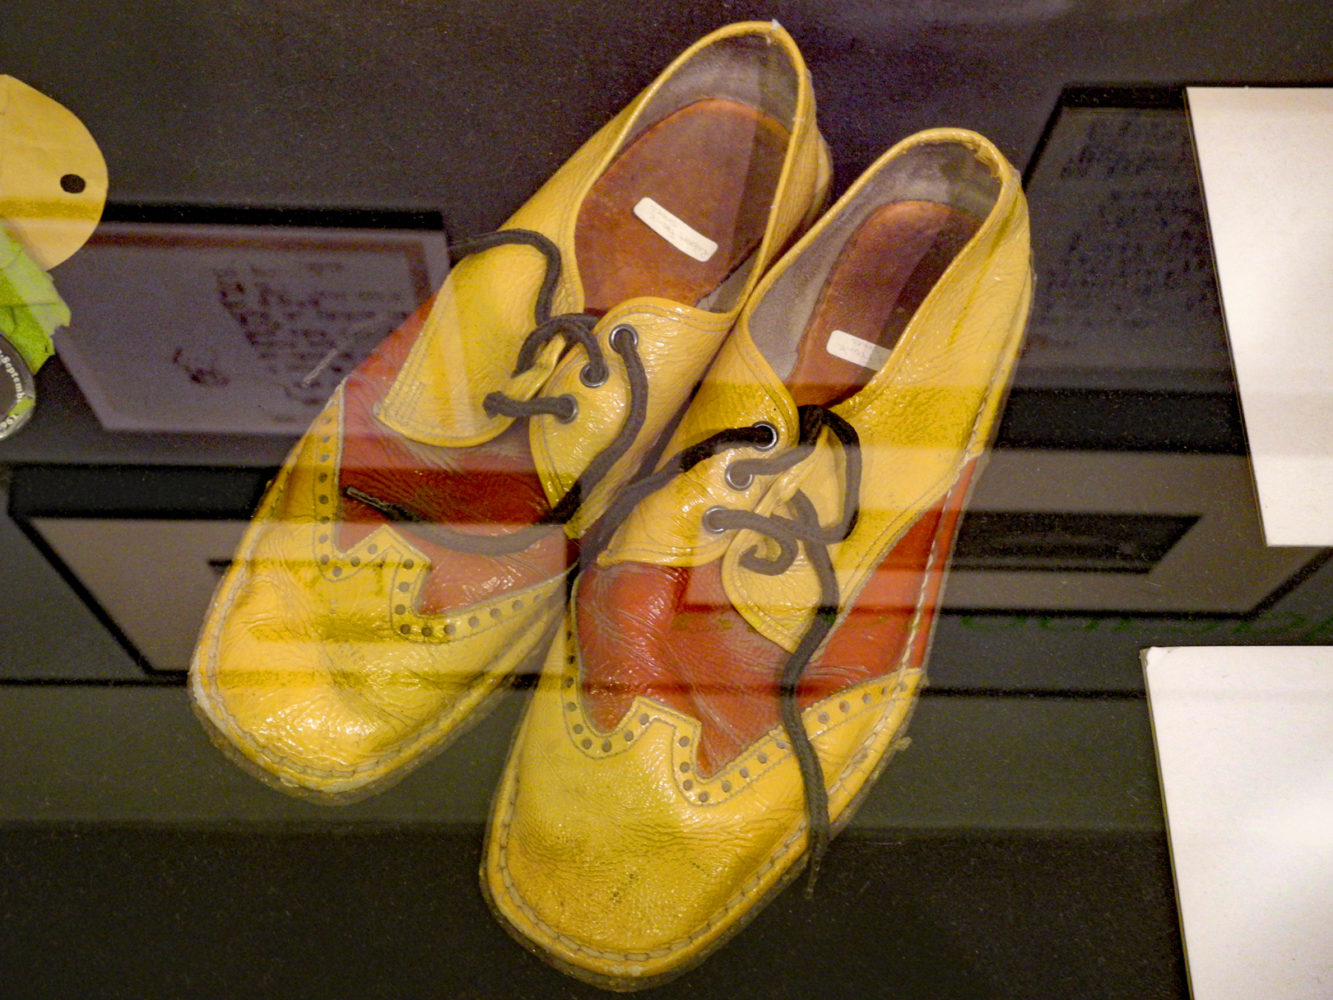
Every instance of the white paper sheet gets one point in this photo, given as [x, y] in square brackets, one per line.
[1125, 293]
[227, 329]
[1266, 158]
[1245, 746]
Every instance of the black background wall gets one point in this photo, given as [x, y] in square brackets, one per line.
[468, 106]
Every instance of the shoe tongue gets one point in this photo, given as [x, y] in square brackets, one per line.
[674, 345]
[667, 527]
[467, 350]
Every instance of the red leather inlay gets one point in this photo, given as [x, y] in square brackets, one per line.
[670, 633]
[486, 490]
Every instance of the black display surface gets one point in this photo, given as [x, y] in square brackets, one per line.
[306, 913]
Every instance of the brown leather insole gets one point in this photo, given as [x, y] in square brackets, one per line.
[881, 276]
[714, 164]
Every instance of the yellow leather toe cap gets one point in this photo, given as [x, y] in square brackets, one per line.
[314, 664]
[623, 865]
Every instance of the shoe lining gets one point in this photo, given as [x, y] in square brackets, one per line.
[714, 166]
[952, 175]
[748, 69]
[880, 278]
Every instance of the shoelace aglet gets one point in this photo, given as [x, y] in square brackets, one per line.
[812, 871]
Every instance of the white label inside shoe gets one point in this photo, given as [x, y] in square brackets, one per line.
[679, 234]
[859, 352]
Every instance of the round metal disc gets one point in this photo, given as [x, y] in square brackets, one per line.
[18, 394]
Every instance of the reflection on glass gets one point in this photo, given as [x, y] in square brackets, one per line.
[52, 188]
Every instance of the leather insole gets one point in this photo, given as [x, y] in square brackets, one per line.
[714, 165]
[883, 273]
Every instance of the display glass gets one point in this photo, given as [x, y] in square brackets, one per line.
[504, 502]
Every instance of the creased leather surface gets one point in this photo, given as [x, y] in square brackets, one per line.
[651, 801]
[928, 410]
[342, 647]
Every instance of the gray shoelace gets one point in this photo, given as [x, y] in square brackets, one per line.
[803, 532]
[576, 329]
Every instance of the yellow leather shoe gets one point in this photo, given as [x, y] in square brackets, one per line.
[743, 655]
[413, 550]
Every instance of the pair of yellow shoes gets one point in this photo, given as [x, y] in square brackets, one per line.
[758, 467]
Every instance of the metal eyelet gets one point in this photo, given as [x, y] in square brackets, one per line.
[586, 375]
[739, 481]
[772, 436]
[624, 330]
[571, 412]
[708, 520]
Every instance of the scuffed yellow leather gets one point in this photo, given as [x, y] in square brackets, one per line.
[302, 665]
[313, 665]
[607, 849]
[41, 141]
[610, 853]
